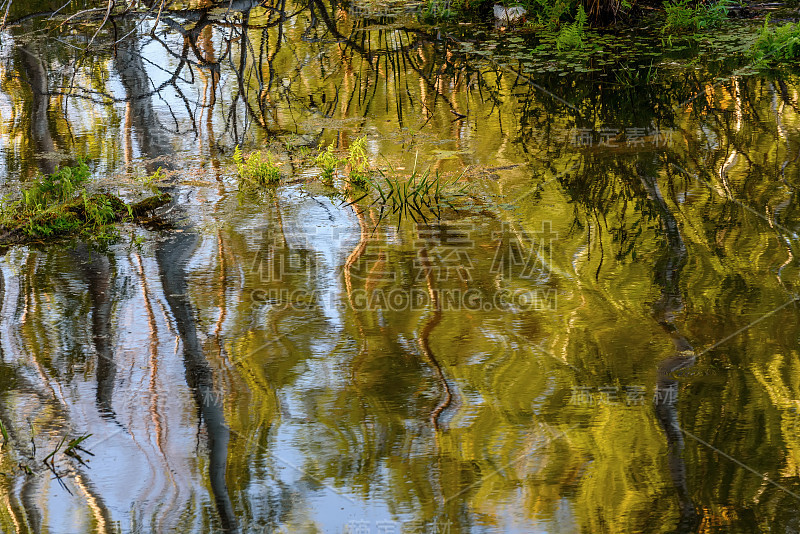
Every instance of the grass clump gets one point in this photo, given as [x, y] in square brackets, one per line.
[777, 45]
[550, 13]
[74, 445]
[58, 204]
[257, 168]
[418, 197]
[328, 162]
[358, 162]
[438, 10]
[688, 16]
[151, 181]
[636, 77]
[55, 188]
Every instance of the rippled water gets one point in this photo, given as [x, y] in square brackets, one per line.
[600, 335]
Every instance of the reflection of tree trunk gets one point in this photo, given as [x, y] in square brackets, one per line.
[2, 298]
[424, 340]
[210, 82]
[668, 272]
[96, 504]
[97, 271]
[31, 485]
[40, 126]
[172, 255]
[98, 275]
[671, 302]
[152, 138]
[29, 495]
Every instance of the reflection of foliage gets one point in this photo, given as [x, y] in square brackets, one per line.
[364, 432]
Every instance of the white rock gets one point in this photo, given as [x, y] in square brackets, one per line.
[507, 16]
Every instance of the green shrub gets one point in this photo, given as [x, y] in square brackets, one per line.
[55, 188]
[58, 204]
[548, 13]
[99, 211]
[714, 14]
[436, 10]
[551, 13]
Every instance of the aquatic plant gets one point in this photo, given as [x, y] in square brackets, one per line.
[58, 204]
[685, 16]
[715, 13]
[257, 168]
[100, 212]
[416, 197]
[71, 450]
[437, 10]
[776, 45]
[572, 36]
[75, 445]
[328, 162]
[680, 16]
[151, 181]
[551, 13]
[42, 211]
[54, 188]
[358, 162]
[633, 77]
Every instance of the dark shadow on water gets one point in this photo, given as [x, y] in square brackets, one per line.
[670, 303]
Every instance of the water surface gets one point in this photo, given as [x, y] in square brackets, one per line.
[599, 336]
